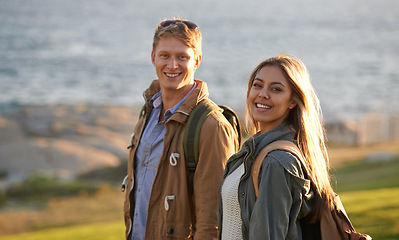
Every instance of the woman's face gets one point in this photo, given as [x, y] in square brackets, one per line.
[269, 98]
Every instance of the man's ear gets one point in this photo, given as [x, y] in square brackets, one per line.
[198, 61]
[152, 57]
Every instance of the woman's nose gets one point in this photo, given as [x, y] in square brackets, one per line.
[264, 94]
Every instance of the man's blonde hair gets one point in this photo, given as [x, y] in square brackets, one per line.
[191, 37]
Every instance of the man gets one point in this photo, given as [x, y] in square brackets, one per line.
[158, 204]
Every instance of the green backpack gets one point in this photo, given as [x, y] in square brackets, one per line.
[192, 133]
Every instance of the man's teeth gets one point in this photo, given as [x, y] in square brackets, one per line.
[172, 74]
[258, 105]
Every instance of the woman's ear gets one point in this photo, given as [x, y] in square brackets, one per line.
[293, 104]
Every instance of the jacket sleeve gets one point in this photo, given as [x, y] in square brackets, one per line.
[273, 213]
[218, 142]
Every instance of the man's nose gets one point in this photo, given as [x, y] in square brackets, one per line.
[172, 63]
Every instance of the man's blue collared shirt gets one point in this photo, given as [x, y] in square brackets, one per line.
[148, 153]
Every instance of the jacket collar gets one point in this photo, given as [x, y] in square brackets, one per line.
[253, 145]
[281, 132]
[200, 93]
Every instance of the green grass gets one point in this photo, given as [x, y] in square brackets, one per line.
[369, 193]
[356, 176]
[374, 212]
[95, 231]
[104, 206]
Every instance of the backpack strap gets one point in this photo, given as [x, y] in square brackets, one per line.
[233, 119]
[191, 140]
[193, 130]
[277, 145]
[334, 224]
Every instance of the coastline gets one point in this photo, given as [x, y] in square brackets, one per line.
[65, 140]
[71, 139]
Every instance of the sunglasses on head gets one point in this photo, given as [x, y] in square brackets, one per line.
[189, 24]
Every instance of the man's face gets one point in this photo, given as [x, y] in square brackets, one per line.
[175, 64]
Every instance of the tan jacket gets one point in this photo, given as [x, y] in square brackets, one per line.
[172, 213]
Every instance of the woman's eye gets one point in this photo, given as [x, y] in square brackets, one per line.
[277, 89]
[255, 84]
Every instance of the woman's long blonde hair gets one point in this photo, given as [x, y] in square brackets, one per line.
[306, 120]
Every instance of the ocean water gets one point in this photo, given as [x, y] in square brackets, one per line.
[98, 52]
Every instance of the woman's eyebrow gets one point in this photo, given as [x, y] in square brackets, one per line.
[279, 83]
[272, 83]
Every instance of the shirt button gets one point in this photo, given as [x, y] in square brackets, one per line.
[242, 193]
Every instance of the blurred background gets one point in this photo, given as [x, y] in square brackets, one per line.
[72, 75]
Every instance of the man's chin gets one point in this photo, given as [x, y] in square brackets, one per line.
[176, 85]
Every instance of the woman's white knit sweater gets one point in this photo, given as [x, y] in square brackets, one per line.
[231, 228]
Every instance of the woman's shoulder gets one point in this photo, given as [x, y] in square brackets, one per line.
[287, 160]
[291, 164]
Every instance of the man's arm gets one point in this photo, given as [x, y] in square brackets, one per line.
[218, 142]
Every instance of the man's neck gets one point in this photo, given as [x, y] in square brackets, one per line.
[171, 98]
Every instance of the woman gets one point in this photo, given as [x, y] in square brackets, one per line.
[281, 105]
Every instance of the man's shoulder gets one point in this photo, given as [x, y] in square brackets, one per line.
[211, 105]
[217, 118]
[152, 89]
[215, 115]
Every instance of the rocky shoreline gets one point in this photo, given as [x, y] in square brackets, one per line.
[63, 139]
[71, 139]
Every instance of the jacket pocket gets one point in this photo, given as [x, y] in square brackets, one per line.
[176, 230]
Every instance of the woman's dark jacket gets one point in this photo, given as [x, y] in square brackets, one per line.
[284, 194]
